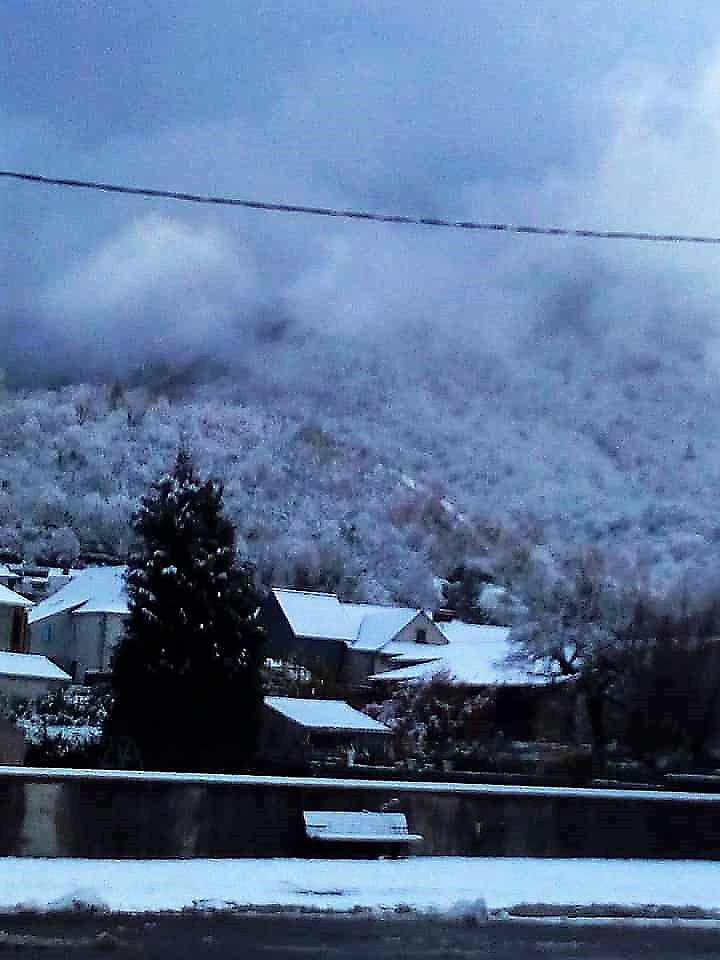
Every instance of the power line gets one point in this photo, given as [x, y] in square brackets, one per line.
[362, 215]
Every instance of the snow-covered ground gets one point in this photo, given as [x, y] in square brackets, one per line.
[443, 884]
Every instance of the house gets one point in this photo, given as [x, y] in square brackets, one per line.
[13, 621]
[34, 583]
[475, 656]
[347, 639]
[386, 647]
[297, 731]
[23, 676]
[478, 658]
[79, 626]
[27, 676]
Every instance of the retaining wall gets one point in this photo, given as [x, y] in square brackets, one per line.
[77, 813]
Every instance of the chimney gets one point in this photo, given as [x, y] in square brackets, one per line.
[443, 615]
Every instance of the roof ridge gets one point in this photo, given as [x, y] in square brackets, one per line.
[308, 593]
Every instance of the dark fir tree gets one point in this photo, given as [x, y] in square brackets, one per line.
[461, 593]
[186, 677]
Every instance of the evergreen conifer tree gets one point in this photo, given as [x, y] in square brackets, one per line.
[186, 678]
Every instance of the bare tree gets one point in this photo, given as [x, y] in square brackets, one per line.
[574, 631]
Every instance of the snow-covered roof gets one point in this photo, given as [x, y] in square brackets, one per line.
[325, 715]
[366, 626]
[8, 598]
[380, 624]
[30, 665]
[317, 615]
[92, 590]
[475, 655]
[457, 631]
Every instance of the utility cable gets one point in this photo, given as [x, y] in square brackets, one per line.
[363, 215]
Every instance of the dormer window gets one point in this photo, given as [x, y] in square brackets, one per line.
[421, 635]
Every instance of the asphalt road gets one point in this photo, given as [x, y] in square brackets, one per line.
[358, 937]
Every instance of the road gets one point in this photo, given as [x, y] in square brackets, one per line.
[279, 936]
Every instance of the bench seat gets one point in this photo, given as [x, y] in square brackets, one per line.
[358, 827]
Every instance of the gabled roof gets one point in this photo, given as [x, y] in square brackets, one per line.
[32, 666]
[472, 654]
[325, 715]
[318, 615]
[366, 626]
[476, 655]
[380, 625]
[92, 590]
[8, 598]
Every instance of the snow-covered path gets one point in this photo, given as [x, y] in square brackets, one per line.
[438, 883]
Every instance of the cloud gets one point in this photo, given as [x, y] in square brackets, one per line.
[657, 173]
[159, 289]
[603, 116]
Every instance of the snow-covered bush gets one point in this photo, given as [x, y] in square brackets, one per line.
[436, 720]
[65, 728]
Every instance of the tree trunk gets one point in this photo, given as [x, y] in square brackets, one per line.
[596, 715]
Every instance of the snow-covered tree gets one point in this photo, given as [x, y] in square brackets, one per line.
[437, 720]
[575, 629]
[186, 677]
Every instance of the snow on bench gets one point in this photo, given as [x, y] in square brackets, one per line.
[358, 827]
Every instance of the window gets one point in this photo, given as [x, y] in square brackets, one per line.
[421, 635]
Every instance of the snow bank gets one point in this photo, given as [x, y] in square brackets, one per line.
[446, 884]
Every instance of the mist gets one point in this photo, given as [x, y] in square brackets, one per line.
[605, 120]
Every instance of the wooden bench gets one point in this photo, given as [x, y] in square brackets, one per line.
[362, 827]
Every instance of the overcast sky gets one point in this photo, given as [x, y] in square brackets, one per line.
[596, 113]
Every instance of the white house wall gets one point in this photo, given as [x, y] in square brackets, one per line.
[433, 635]
[78, 642]
[360, 664]
[96, 636]
[53, 637]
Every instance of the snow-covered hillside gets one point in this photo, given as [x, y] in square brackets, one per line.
[374, 472]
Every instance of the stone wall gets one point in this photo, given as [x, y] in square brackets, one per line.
[72, 813]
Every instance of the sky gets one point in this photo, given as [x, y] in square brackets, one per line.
[599, 113]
